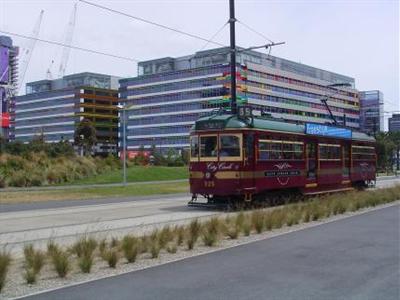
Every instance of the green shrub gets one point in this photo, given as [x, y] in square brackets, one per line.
[5, 261]
[179, 232]
[30, 276]
[246, 227]
[84, 246]
[85, 263]
[193, 233]
[155, 248]
[114, 242]
[130, 248]
[211, 232]
[172, 248]
[233, 232]
[52, 248]
[240, 219]
[111, 256]
[61, 262]
[165, 236]
[34, 259]
[257, 219]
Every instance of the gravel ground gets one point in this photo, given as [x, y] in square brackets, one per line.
[16, 287]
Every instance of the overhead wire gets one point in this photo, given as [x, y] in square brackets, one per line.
[214, 36]
[255, 31]
[195, 36]
[70, 46]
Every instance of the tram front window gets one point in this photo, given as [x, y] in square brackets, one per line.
[208, 146]
[229, 146]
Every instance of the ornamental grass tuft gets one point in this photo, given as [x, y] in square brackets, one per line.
[5, 261]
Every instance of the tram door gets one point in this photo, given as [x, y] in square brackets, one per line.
[249, 157]
[346, 160]
[311, 153]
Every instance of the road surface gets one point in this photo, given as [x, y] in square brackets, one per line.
[64, 220]
[353, 258]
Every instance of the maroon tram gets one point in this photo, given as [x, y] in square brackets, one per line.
[245, 160]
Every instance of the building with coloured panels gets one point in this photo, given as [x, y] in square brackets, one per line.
[54, 108]
[371, 111]
[169, 94]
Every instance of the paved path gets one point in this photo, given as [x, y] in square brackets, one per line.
[354, 258]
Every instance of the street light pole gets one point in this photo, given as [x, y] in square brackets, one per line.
[123, 150]
[124, 142]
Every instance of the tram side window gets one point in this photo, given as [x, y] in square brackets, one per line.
[194, 147]
[229, 146]
[329, 152]
[270, 150]
[208, 146]
[363, 153]
[276, 149]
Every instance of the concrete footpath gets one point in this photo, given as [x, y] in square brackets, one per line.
[352, 258]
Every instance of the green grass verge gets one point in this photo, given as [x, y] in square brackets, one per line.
[98, 192]
[138, 174]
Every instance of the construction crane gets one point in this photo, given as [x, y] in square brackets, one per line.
[27, 51]
[68, 40]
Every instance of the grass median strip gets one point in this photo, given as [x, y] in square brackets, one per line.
[67, 261]
[138, 174]
[98, 192]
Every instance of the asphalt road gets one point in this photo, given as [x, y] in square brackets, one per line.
[354, 258]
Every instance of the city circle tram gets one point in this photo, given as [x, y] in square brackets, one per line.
[236, 161]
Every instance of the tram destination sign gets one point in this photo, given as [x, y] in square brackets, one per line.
[330, 131]
[210, 125]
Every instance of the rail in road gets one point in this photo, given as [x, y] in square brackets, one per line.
[64, 224]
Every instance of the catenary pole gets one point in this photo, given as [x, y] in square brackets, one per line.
[232, 21]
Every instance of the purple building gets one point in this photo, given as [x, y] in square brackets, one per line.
[8, 82]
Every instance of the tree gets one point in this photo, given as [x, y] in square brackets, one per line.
[394, 136]
[384, 151]
[85, 136]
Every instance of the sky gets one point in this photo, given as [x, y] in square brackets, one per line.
[357, 38]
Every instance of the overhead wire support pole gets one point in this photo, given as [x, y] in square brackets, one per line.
[266, 46]
[232, 21]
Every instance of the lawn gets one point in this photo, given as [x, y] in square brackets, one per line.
[98, 192]
[138, 174]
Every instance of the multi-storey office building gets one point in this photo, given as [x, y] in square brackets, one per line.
[371, 111]
[394, 123]
[8, 81]
[171, 93]
[54, 108]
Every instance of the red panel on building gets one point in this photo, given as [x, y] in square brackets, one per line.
[5, 120]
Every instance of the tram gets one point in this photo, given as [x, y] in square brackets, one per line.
[236, 160]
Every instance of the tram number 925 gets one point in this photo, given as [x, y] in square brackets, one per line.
[209, 184]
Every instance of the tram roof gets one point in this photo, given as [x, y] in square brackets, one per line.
[228, 121]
